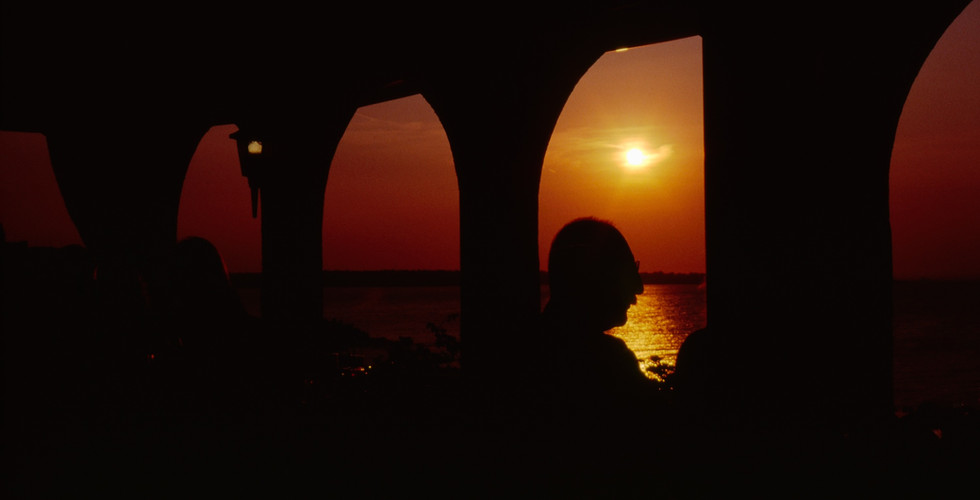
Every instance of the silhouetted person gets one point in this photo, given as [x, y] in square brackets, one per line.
[202, 282]
[700, 363]
[219, 351]
[593, 279]
[593, 390]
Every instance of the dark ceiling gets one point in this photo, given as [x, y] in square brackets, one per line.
[71, 64]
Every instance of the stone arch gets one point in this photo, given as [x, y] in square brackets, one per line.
[214, 201]
[498, 115]
[798, 237]
[933, 318]
[400, 146]
[653, 206]
[122, 199]
[391, 204]
[918, 145]
[31, 196]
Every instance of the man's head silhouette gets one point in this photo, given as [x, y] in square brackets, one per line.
[592, 273]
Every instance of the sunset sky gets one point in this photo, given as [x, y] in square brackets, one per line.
[392, 201]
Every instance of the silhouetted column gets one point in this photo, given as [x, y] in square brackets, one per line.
[799, 127]
[121, 183]
[500, 289]
[498, 129]
[296, 161]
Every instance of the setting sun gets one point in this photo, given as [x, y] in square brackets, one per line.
[635, 158]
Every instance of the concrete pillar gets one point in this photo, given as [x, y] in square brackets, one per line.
[498, 129]
[799, 126]
[121, 183]
[294, 166]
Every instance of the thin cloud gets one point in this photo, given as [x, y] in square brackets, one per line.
[366, 130]
[602, 147]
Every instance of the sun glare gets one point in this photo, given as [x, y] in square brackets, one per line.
[635, 158]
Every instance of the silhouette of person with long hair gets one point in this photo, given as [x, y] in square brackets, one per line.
[203, 286]
[218, 340]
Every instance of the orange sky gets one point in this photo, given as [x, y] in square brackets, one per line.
[392, 200]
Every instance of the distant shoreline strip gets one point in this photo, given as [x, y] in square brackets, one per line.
[439, 278]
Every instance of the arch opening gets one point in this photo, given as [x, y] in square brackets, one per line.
[628, 148]
[933, 183]
[215, 204]
[391, 218]
[32, 210]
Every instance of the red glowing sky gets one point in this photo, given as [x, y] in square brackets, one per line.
[391, 199]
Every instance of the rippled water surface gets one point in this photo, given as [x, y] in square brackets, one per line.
[661, 319]
[936, 335]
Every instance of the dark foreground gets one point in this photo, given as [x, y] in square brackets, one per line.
[104, 398]
[311, 420]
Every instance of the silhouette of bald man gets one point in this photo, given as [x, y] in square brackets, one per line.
[594, 280]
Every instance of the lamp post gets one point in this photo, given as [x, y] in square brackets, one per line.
[250, 157]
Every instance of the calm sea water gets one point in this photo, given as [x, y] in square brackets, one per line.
[936, 341]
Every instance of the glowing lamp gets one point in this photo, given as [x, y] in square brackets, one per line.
[251, 159]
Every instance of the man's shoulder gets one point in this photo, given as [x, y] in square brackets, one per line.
[611, 342]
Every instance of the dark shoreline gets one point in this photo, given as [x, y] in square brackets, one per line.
[397, 277]
[442, 277]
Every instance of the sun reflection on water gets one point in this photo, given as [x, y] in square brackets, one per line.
[660, 321]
